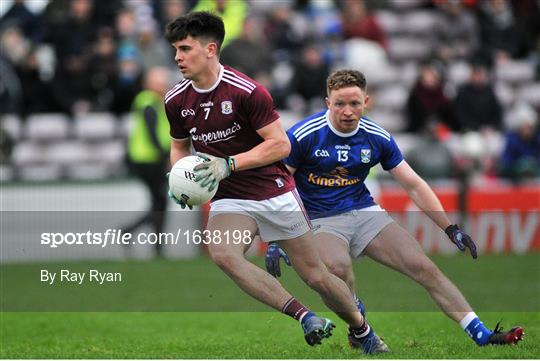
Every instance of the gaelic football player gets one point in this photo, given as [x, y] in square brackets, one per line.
[230, 120]
[332, 153]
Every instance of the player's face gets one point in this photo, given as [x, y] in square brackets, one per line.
[192, 57]
[346, 107]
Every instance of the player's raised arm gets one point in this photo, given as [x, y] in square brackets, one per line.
[275, 147]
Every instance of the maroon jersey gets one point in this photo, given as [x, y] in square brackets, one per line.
[223, 121]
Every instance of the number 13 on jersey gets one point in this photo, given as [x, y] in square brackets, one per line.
[342, 155]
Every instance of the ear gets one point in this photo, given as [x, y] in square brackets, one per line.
[366, 100]
[212, 49]
[327, 101]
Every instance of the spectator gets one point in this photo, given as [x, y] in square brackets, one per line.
[284, 37]
[74, 36]
[36, 96]
[126, 26]
[72, 89]
[250, 53]
[521, 155]
[439, 163]
[13, 45]
[527, 15]
[427, 100]
[128, 81]
[309, 79]
[153, 49]
[140, 29]
[456, 36]
[500, 35]
[324, 19]
[476, 106]
[148, 148]
[30, 24]
[102, 68]
[104, 12]
[73, 39]
[359, 22]
[170, 10]
[10, 87]
[23, 82]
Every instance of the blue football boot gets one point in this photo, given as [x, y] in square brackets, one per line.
[316, 329]
[371, 344]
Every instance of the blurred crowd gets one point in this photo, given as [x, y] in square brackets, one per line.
[433, 66]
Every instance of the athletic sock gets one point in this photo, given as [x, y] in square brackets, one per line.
[475, 328]
[361, 332]
[297, 310]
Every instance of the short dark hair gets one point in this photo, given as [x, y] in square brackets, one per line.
[199, 24]
[344, 79]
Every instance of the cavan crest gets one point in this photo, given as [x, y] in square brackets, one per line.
[365, 155]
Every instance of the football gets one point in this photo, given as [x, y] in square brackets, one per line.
[182, 182]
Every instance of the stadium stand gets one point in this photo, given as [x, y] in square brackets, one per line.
[89, 144]
[47, 127]
[95, 126]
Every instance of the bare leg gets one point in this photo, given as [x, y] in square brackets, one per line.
[396, 248]
[334, 253]
[230, 258]
[309, 266]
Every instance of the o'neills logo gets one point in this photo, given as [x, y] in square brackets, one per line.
[215, 136]
[336, 178]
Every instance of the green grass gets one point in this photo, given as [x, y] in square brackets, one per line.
[499, 287]
[240, 335]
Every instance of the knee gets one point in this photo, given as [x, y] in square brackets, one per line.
[426, 273]
[224, 260]
[342, 270]
[316, 280]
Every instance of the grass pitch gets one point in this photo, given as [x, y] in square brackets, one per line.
[499, 287]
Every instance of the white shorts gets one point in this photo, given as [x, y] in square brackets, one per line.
[278, 218]
[357, 227]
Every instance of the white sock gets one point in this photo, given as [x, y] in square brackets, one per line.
[467, 319]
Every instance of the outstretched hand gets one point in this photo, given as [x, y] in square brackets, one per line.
[461, 239]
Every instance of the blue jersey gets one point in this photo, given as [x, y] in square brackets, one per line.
[331, 166]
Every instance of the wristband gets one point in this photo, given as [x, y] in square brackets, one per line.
[232, 164]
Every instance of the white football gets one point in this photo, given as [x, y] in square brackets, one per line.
[182, 182]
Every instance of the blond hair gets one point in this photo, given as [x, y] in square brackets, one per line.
[344, 79]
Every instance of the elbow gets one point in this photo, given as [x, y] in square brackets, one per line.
[417, 189]
[284, 148]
